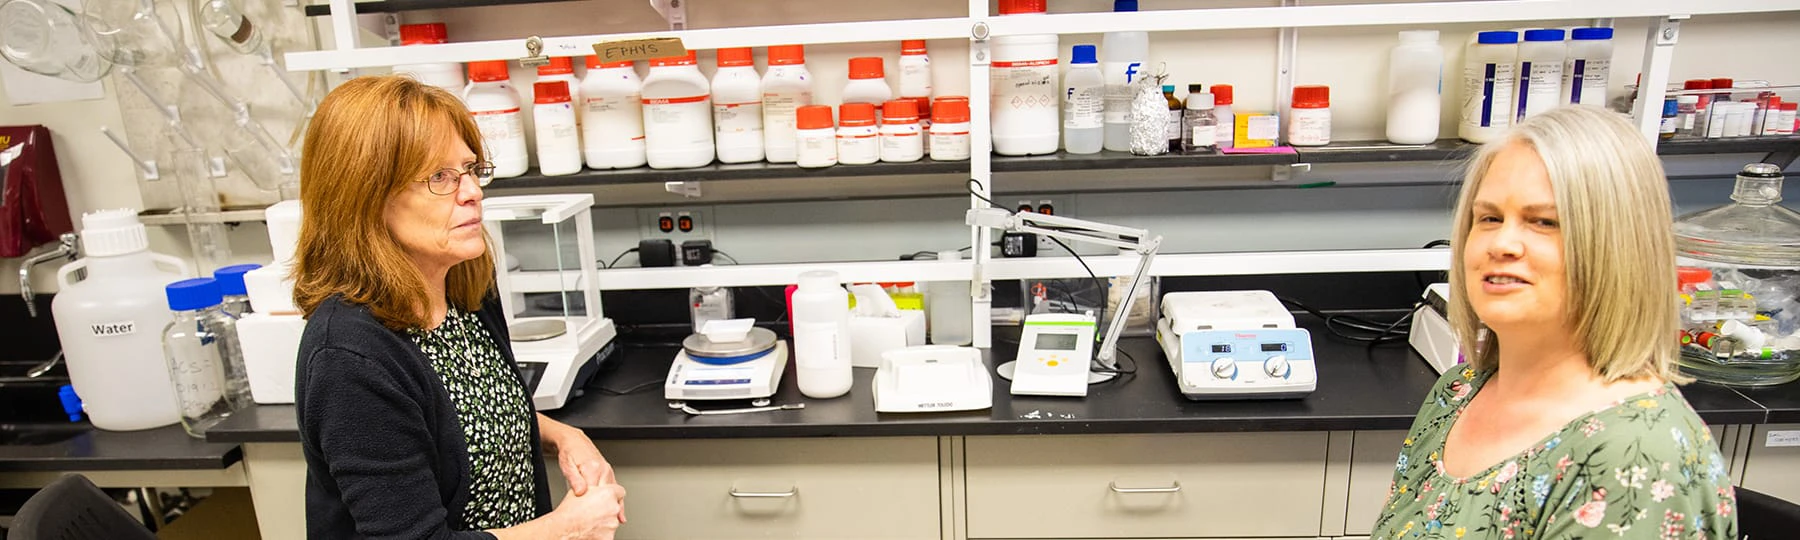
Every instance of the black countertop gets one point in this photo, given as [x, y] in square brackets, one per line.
[80, 447]
[1782, 402]
[1359, 389]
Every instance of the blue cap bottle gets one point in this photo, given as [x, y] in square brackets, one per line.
[1084, 54]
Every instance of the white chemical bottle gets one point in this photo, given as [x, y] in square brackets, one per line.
[495, 106]
[1487, 92]
[1540, 70]
[901, 139]
[1024, 87]
[950, 130]
[1588, 66]
[562, 68]
[1223, 97]
[1084, 103]
[815, 137]
[110, 323]
[858, 140]
[821, 310]
[1415, 86]
[1125, 55]
[787, 86]
[737, 96]
[558, 138]
[612, 115]
[678, 131]
[915, 69]
[445, 75]
[868, 82]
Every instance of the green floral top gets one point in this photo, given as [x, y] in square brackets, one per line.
[1645, 467]
[496, 419]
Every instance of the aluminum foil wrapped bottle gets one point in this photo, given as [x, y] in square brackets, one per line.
[1149, 118]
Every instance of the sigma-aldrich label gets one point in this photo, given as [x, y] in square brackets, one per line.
[113, 329]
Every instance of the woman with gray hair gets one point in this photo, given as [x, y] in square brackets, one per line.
[1566, 422]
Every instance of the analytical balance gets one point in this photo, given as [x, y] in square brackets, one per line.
[728, 359]
[557, 353]
[1235, 345]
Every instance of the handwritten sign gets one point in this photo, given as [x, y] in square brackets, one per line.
[639, 49]
[1783, 438]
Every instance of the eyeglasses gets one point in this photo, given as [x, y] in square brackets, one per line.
[447, 181]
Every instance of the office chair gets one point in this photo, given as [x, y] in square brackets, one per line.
[71, 508]
[1762, 517]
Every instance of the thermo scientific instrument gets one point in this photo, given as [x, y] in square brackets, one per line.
[727, 359]
[1235, 345]
[560, 351]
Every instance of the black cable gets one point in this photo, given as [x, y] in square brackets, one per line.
[1418, 277]
[727, 256]
[1121, 370]
[973, 183]
[1384, 332]
[1396, 324]
[622, 255]
[1099, 285]
[633, 389]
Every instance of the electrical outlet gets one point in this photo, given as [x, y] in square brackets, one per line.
[1055, 205]
[676, 224]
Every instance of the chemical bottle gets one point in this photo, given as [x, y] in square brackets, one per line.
[858, 140]
[222, 19]
[445, 75]
[1172, 129]
[678, 131]
[204, 360]
[1540, 68]
[1222, 100]
[915, 69]
[562, 68]
[1415, 86]
[1023, 97]
[815, 137]
[949, 309]
[1309, 116]
[950, 129]
[901, 140]
[110, 321]
[924, 105]
[737, 107]
[787, 86]
[1084, 103]
[235, 299]
[495, 106]
[1126, 54]
[1671, 113]
[558, 138]
[821, 309]
[612, 125]
[1588, 67]
[1487, 92]
[709, 304]
[1199, 126]
[868, 83]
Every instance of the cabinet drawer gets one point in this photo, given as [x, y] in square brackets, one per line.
[871, 488]
[1139, 486]
[1774, 470]
[1372, 458]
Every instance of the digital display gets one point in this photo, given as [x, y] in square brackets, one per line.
[1274, 347]
[1055, 342]
[1221, 349]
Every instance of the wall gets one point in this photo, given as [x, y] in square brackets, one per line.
[1230, 209]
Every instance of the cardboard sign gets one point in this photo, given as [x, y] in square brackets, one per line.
[639, 49]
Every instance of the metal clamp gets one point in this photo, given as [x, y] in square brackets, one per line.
[1175, 487]
[765, 494]
[534, 53]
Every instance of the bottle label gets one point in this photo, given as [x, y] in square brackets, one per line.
[1172, 131]
[778, 109]
[815, 346]
[1024, 84]
[501, 125]
[113, 329]
[684, 120]
[1486, 89]
[1586, 80]
[1083, 108]
[738, 118]
[1668, 125]
[950, 146]
[1540, 85]
[613, 120]
[915, 77]
[1119, 76]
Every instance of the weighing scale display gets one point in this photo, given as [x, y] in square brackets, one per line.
[1055, 342]
[719, 376]
[1274, 347]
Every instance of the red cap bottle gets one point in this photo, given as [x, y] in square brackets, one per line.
[550, 92]
[488, 71]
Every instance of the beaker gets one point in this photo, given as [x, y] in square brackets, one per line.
[43, 37]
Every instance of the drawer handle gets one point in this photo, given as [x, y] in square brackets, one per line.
[1174, 488]
[765, 494]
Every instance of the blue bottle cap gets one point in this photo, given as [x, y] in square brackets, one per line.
[1544, 34]
[1084, 54]
[1670, 107]
[1168, 88]
[231, 278]
[1499, 37]
[192, 294]
[1592, 33]
[1124, 5]
[71, 403]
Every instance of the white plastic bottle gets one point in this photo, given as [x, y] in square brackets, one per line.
[1588, 67]
[1540, 69]
[445, 75]
[950, 130]
[949, 309]
[495, 105]
[915, 69]
[1487, 92]
[901, 139]
[562, 68]
[612, 115]
[678, 131]
[1126, 57]
[1223, 96]
[110, 323]
[558, 138]
[1415, 86]
[815, 137]
[1024, 76]
[1084, 102]
[737, 107]
[787, 86]
[821, 309]
[858, 140]
[868, 83]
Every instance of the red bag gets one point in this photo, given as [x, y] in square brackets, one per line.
[33, 210]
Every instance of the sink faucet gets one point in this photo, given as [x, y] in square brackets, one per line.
[65, 248]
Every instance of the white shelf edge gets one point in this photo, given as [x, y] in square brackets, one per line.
[715, 38]
[179, 217]
[1371, 15]
[1205, 264]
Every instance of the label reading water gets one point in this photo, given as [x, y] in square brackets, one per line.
[113, 329]
[1783, 438]
[1024, 84]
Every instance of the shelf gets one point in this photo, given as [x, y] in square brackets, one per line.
[1108, 160]
[396, 6]
[1385, 152]
[1740, 145]
[179, 216]
[720, 171]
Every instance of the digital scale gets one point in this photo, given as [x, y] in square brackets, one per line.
[554, 360]
[1235, 345]
[1055, 352]
[728, 360]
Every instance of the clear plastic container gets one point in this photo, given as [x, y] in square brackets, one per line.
[821, 309]
[1126, 58]
[1084, 103]
[205, 363]
[1740, 279]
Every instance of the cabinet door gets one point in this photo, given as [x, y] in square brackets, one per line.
[1137, 486]
[1372, 458]
[863, 488]
[1774, 469]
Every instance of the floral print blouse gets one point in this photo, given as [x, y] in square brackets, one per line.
[1644, 468]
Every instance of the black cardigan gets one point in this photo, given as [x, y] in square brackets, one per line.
[385, 455]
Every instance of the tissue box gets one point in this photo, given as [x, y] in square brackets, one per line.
[271, 346]
[871, 336]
